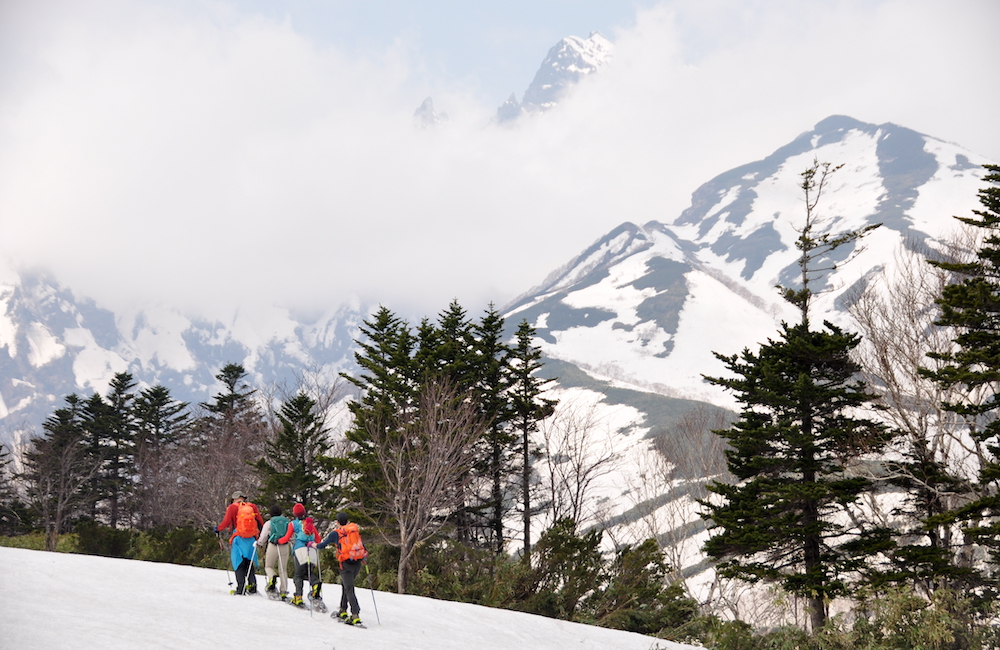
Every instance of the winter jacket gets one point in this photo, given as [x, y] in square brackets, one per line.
[307, 528]
[265, 533]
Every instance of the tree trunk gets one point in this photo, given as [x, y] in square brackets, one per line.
[525, 493]
[403, 569]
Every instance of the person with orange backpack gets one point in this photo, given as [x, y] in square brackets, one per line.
[351, 553]
[245, 520]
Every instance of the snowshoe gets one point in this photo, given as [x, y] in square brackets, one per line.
[318, 604]
[297, 601]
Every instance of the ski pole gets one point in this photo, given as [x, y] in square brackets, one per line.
[225, 559]
[372, 592]
[309, 578]
[253, 565]
[319, 571]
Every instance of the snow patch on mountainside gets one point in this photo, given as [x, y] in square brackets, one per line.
[43, 346]
[8, 328]
[93, 366]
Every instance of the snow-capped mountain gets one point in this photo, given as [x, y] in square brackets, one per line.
[630, 325]
[53, 343]
[647, 304]
[567, 62]
[426, 117]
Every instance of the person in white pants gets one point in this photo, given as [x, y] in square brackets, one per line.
[275, 554]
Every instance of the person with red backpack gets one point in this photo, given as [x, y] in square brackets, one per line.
[245, 520]
[351, 553]
[305, 558]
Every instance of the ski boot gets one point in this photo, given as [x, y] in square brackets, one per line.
[316, 599]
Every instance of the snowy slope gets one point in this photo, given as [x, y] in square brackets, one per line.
[641, 311]
[647, 305]
[56, 600]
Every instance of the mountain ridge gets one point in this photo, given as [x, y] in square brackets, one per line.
[734, 242]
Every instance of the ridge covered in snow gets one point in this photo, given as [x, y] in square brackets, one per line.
[566, 63]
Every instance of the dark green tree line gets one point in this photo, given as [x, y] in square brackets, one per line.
[472, 358]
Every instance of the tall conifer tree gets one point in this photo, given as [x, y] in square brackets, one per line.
[972, 306]
[295, 466]
[529, 408]
[388, 384]
[793, 446]
[497, 462]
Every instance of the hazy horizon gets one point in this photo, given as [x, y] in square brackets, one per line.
[223, 156]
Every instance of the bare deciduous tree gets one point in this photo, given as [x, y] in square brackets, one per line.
[424, 456]
[58, 471]
[216, 459]
[895, 314]
[669, 477]
[579, 450]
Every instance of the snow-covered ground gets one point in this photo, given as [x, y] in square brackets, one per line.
[58, 600]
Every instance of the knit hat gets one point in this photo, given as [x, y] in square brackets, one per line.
[342, 518]
[299, 510]
[275, 510]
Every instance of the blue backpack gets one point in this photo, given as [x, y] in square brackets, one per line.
[299, 537]
[279, 526]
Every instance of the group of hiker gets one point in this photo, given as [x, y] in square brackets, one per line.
[279, 538]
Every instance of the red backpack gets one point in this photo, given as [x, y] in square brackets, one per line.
[246, 520]
[351, 547]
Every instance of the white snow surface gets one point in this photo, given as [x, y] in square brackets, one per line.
[61, 600]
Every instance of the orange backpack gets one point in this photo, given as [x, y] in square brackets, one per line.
[246, 520]
[351, 547]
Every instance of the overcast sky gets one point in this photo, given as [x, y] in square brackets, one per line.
[216, 156]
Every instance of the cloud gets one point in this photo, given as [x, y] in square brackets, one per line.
[213, 159]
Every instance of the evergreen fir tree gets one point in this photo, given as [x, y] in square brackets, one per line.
[972, 306]
[447, 349]
[160, 419]
[529, 407]
[110, 428]
[295, 466]
[234, 409]
[498, 461]
[223, 443]
[389, 384]
[161, 424]
[59, 470]
[793, 447]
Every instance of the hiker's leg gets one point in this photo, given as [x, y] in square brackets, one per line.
[283, 567]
